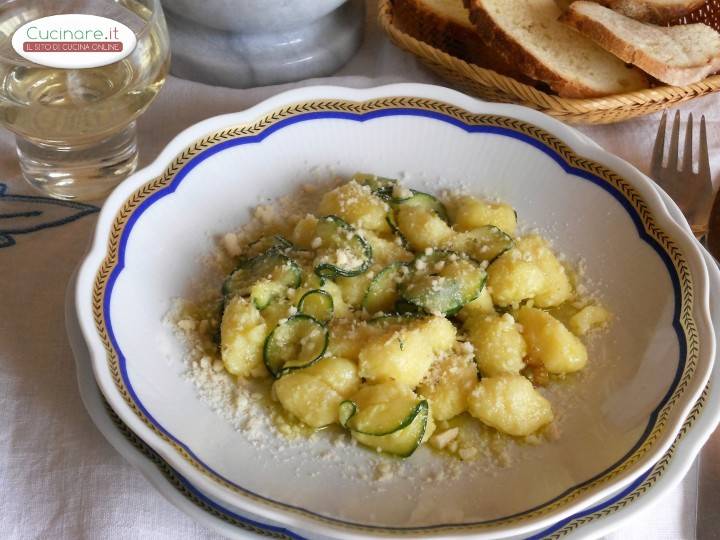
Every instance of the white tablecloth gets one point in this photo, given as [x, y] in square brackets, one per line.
[58, 477]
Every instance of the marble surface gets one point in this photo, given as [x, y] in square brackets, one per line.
[266, 55]
[252, 16]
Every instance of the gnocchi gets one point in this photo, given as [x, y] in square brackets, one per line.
[499, 346]
[470, 213]
[386, 312]
[314, 394]
[550, 343]
[405, 352]
[448, 385]
[510, 404]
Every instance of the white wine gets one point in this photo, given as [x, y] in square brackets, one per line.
[78, 106]
[75, 127]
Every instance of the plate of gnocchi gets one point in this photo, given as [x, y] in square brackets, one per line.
[396, 311]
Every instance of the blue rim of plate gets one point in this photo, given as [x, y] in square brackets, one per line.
[632, 492]
[256, 132]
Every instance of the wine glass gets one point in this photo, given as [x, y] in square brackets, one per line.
[75, 127]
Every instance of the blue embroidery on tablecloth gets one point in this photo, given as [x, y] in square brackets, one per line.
[24, 214]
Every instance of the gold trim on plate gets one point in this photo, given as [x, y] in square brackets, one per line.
[548, 140]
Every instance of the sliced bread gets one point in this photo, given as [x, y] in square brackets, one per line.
[529, 35]
[653, 11]
[445, 24]
[676, 55]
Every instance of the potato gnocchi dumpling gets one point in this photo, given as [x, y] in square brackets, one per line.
[482, 305]
[242, 335]
[353, 289]
[468, 213]
[510, 404]
[348, 337]
[499, 346]
[404, 351]
[386, 310]
[588, 318]
[550, 343]
[448, 384]
[511, 279]
[422, 229]
[357, 205]
[314, 394]
[556, 287]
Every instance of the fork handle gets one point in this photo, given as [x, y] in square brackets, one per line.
[700, 231]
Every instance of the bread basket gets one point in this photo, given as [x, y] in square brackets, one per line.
[489, 85]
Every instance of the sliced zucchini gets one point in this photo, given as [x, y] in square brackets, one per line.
[385, 431]
[297, 342]
[390, 218]
[346, 411]
[424, 200]
[382, 293]
[266, 243]
[264, 278]
[264, 291]
[343, 251]
[318, 304]
[374, 182]
[483, 244]
[443, 282]
[403, 307]
[379, 419]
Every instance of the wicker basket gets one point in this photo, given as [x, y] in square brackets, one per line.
[490, 85]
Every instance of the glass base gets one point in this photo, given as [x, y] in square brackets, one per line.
[84, 173]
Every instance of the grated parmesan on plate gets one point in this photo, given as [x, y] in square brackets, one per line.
[244, 404]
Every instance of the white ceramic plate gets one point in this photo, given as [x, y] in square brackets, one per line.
[591, 523]
[154, 227]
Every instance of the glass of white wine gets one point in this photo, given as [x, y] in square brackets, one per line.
[75, 128]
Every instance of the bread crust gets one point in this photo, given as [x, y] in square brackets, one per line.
[515, 54]
[650, 12]
[416, 19]
[676, 76]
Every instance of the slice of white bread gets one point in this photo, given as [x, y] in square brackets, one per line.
[529, 35]
[653, 11]
[445, 24]
[677, 55]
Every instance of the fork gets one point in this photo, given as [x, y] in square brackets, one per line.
[692, 191]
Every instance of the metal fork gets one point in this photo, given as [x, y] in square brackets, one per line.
[692, 191]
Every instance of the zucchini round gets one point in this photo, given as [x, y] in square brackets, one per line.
[382, 293]
[424, 200]
[264, 278]
[400, 438]
[378, 420]
[405, 308]
[346, 410]
[374, 182]
[392, 223]
[266, 243]
[318, 304]
[295, 343]
[443, 282]
[343, 251]
[483, 244]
